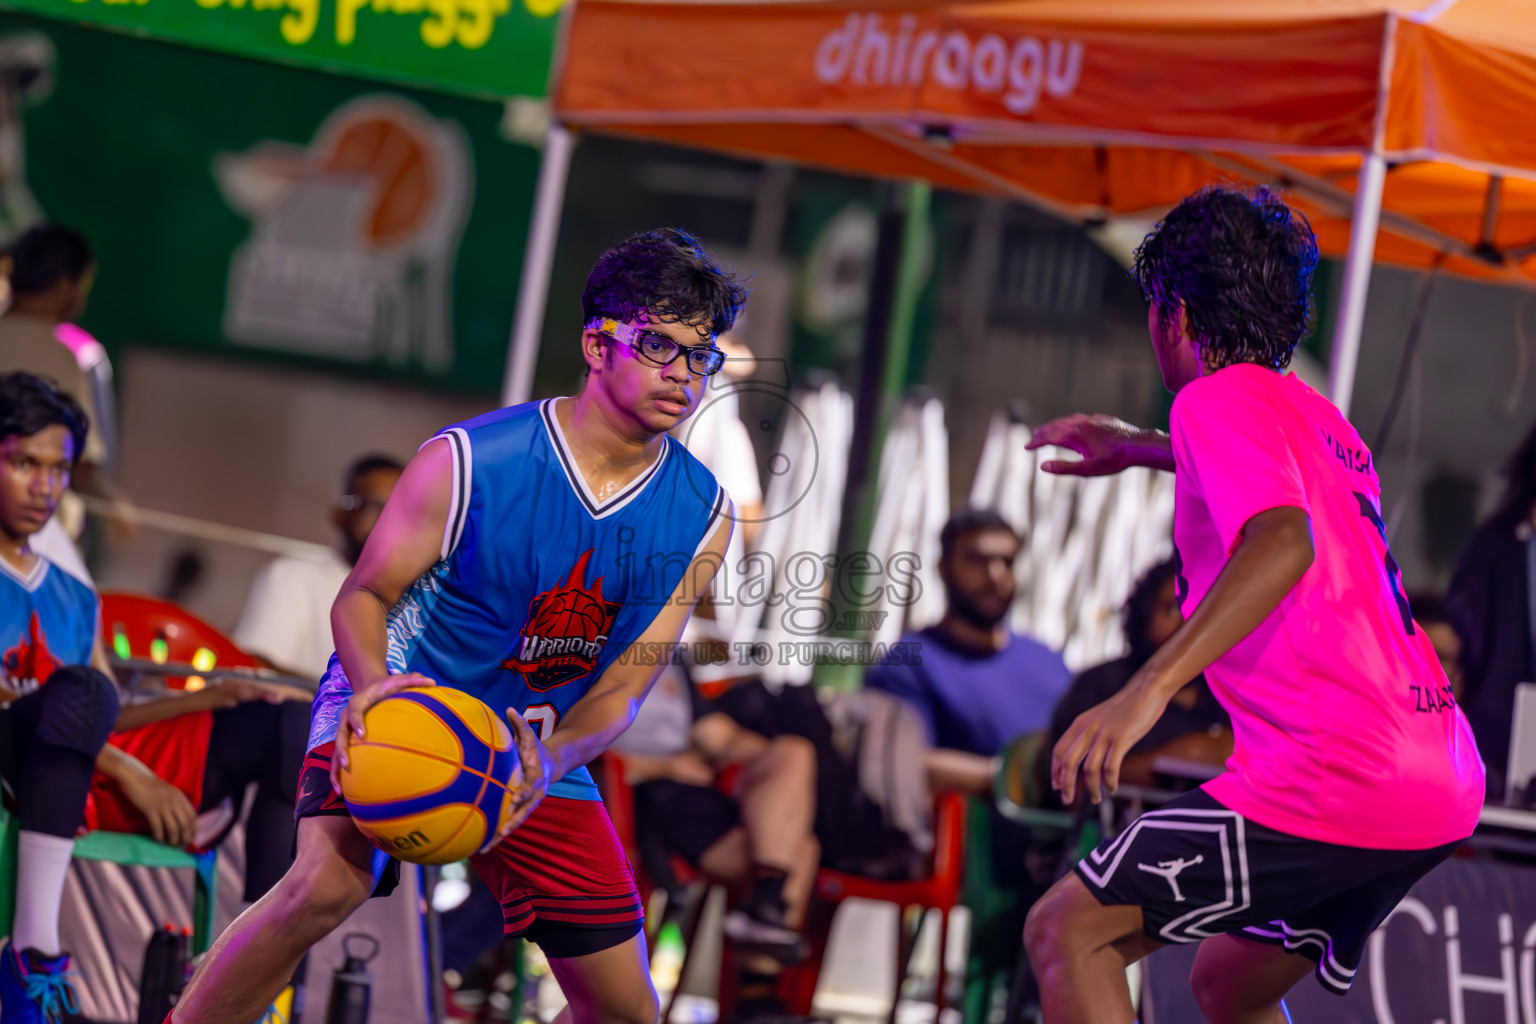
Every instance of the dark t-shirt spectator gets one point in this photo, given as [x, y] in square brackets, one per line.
[1102, 682]
[1489, 604]
[976, 701]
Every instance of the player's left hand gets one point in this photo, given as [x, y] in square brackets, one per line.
[1100, 738]
[538, 772]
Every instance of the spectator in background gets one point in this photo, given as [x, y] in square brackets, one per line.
[287, 619]
[51, 270]
[717, 437]
[175, 767]
[758, 836]
[1430, 613]
[1193, 727]
[1490, 604]
[978, 684]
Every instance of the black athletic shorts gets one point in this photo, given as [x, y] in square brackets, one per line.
[688, 819]
[1198, 870]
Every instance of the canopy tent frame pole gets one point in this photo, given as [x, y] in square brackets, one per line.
[538, 264]
[1335, 199]
[884, 361]
[1348, 326]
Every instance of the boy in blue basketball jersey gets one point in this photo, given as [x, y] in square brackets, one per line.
[534, 557]
[58, 706]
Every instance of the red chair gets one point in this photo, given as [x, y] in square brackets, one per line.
[939, 891]
[619, 798]
[134, 626]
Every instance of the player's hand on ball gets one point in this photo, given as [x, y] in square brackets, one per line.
[1106, 444]
[363, 698]
[538, 772]
[1098, 741]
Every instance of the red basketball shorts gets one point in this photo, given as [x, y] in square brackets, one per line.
[561, 877]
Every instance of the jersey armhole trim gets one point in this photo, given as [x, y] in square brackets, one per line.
[458, 496]
[722, 503]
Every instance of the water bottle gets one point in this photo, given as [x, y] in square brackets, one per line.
[154, 992]
[178, 971]
[352, 985]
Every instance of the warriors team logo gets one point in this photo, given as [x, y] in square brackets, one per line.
[28, 665]
[565, 632]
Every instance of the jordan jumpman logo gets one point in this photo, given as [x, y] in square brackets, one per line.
[1170, 869]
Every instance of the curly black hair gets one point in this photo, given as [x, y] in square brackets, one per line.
[669, 276]
[30, 404]
[1241, 264]
[47, 254]
[1519, 496]
[1137, 615]
[972, 520]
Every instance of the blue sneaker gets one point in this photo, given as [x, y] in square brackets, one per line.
[34, 989]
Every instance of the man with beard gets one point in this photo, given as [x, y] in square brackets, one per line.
[978, 685]
[287, 617]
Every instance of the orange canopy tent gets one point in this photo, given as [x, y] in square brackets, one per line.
[1411, 114]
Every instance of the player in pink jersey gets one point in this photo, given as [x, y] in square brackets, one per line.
[1354, 772]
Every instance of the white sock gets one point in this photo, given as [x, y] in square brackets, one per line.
[42, 863]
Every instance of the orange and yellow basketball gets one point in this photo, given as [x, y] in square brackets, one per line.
[432, 778]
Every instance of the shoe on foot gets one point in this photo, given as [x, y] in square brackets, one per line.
[35, 989]
[755, 933]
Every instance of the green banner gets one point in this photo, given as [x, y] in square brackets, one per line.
[243, 209]
[478, 47]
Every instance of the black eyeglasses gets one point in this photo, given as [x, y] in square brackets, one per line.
[354, 502]
[703, 360]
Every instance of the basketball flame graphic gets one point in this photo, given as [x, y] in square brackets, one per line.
[566, 629]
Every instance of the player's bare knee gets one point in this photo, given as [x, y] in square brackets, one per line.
[315, 899]
[1056, 929]
[1214, 993]
[641, 1008]
[1040, 925]
[793, 754]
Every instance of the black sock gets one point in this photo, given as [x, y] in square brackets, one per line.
[766, 900]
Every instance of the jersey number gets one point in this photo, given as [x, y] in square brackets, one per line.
[543, 718]
[1394, 575]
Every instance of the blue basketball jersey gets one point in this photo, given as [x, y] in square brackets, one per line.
[47, 622]
[541, 586]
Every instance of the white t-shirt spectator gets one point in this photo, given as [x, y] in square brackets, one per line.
[53, 543]
[287, 617]
[664, 724]
[721, 441]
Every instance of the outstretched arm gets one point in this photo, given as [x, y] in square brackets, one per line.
[226, 693]
[1107, 445]
[1274, 553]
[404, 544]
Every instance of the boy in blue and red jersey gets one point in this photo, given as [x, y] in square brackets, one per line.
[72, 755]
[522, 554]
